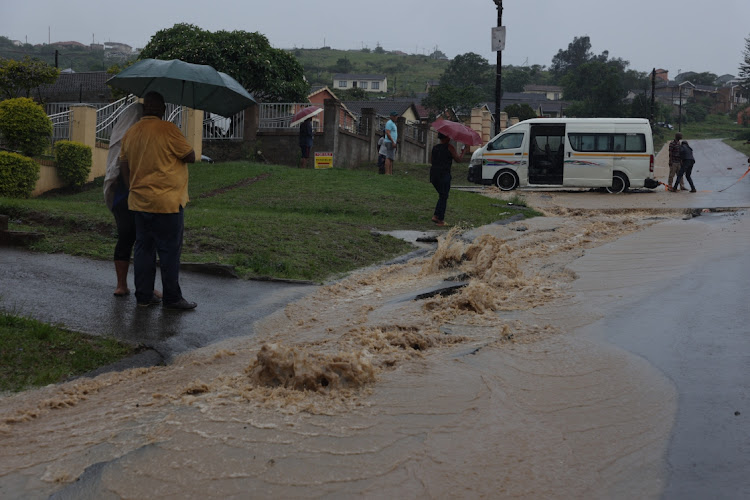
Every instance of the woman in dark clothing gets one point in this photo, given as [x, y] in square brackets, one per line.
[441, 159]
[688, 160]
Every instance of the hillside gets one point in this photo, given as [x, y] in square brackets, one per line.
[407, 74]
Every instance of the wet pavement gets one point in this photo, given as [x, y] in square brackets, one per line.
[78, 293]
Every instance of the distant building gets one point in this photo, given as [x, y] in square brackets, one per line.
[552, 92]
[661, 75]
[368, 83]
[118, 47]
[71, 44]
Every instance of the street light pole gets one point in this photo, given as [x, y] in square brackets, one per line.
[498, 77]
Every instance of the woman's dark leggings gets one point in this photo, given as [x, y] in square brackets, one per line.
[125, 220]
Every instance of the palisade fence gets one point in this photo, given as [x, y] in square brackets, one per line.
[214, 126]
[217, 127]
[278, 115]
[106, 117]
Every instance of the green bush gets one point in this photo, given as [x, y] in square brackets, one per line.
[73, 162]
[24, 126]
[18, 175]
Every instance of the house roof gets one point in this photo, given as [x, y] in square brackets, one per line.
[85, 87]
[382, 107]
[357, 76]
[320, 88]
[542, 88]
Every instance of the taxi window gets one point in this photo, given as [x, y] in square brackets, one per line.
[507, 141]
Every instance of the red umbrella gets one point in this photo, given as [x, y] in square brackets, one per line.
[458, 132]
[304, 114]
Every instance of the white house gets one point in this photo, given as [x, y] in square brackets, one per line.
[368, 83]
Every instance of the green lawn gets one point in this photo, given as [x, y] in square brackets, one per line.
[268, 220]
[37, 354]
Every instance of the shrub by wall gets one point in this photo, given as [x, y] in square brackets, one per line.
[24, 126]
[18, 175]
[73, 162]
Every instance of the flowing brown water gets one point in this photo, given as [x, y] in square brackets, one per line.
[361, 390]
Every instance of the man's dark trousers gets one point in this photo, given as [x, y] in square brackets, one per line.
[162, 234]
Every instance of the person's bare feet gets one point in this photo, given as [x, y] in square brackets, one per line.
[122, 292]
[157, 294]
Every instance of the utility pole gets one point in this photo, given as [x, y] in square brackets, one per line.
[500, 46]
[679, 118]
[653, 90]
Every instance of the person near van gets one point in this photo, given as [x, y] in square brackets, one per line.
[441, 160]
[688, 160]
[390, 141]
[305, 141]
[675, 162]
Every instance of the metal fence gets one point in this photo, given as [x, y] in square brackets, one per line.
[277, 115]
[217, 127]
[60, 126]
[107, 116]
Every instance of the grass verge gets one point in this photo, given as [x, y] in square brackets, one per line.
[36, 354]
[269, 220]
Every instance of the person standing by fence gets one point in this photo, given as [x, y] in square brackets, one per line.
[390, 141]
[305, 141]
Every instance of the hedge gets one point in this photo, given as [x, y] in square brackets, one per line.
[24, 126]
[18, 175]
[73, 162]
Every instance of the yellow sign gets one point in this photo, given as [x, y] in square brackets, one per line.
[323, 160]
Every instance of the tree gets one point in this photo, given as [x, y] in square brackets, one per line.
[744, 69]
[459, 99]
[704, 78]
[577, 54]
[437, 54]
[598, 89]
[521, 111]
[267, 73]
[470, 70]
[379, 49]
[24, 126]
[17, 78]
[515, 79]
[343, 65]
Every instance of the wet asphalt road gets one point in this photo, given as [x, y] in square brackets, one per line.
[78, 293]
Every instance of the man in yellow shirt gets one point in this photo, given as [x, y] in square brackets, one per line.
[154, 158]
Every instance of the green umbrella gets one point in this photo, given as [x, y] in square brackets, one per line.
[196, 86]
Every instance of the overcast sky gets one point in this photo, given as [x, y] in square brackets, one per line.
[702, 36]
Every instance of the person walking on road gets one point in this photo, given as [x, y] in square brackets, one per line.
[441, 160]
[390, 141]
[154, 159]
[675, 162]
[688, 160]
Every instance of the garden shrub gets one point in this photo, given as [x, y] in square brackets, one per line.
[73, 162]
[18, 175]
[24, 126]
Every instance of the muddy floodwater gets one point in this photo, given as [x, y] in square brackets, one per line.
[377, 386]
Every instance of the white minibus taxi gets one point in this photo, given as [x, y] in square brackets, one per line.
[612, 153]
